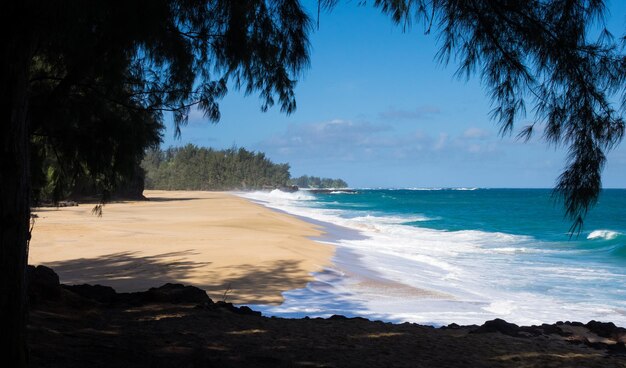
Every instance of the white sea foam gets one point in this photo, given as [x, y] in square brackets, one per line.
[390, 219]
[278, 194]
[467, 276]
[501, 307]
[603, 234]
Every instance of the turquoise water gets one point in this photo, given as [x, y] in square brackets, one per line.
[462, 255]
[530, 212]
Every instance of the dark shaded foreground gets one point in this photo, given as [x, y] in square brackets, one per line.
[178, 326]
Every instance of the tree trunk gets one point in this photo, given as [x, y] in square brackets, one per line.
[15, 46]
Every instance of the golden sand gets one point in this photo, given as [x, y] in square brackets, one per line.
[235, 249]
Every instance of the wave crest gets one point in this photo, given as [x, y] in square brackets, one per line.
[603, 234]
[278, 195]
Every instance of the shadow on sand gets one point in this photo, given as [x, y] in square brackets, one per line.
[130, 271]
[165, 199]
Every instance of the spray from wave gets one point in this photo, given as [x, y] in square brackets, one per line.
[603, 234]
[278, 195]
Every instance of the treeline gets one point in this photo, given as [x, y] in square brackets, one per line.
[199, 168]
[306, 181]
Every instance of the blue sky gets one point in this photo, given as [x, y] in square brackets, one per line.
[376, 109]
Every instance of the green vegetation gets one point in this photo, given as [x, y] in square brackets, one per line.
[305, 181]
[200, 168]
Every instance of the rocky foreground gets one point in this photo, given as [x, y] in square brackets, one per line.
[179, 326]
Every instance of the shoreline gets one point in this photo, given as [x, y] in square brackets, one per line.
[348, 281]
[231, 247]
[376, 278]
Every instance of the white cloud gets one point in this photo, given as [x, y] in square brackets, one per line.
[345, 140]
[421, 112]
[441, 142]
[476, 133]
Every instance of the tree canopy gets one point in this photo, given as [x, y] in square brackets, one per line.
[306, 181]
[198, 168]
[103, 76]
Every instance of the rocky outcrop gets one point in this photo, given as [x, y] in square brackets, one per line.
[98, 293]
[43, 284]
[597, 335]
[243, 310]
[168, 293]
[173, 293]
[499, 325]
[45, 289]
[608, 330]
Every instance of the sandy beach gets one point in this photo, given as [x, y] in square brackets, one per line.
[229, 246]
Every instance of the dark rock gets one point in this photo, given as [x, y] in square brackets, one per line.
[499, 325]
[42, 275]
[365, 319]
[606, 329]
[206, 305]
[618, 348]
[577, 324]
[43, 284]
[451, 326]
[264, 361]
[337, 316]
[595, 345]
[544, 329]
[244, 310]
[99, 293]
[174, 293]
[551, 329]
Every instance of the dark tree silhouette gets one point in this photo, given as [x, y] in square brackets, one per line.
[538, 54]
[91, 82]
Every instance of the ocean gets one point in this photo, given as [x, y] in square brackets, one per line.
[460, 255]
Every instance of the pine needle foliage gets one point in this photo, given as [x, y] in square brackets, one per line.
[538, 61]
